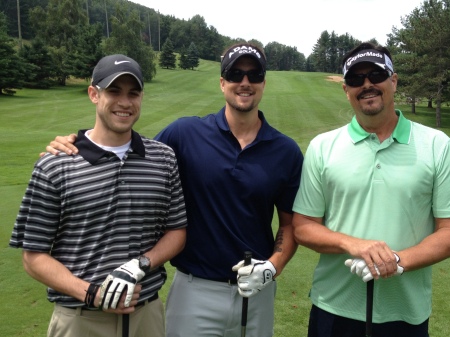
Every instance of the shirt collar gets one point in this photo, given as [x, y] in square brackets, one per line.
[266, 132]
[92, 153]
[402, 131]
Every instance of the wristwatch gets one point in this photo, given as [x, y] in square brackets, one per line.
[144, 263]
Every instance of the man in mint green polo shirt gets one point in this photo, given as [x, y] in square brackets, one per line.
[374, 196]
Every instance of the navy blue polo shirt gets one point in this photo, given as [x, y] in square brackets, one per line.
[230, 193]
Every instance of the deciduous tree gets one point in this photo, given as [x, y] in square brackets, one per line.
[126, 39]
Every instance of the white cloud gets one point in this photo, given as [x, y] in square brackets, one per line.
[296, 24]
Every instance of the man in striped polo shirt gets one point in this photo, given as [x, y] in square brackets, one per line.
[97, 227]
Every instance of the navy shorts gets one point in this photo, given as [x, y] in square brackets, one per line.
[325, 324]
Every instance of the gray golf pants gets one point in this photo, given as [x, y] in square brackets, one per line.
[201, 308]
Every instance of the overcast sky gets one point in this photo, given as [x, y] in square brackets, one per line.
[292, 23]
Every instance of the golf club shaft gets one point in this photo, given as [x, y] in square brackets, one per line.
[247, 261]
[125, 325]
[369, 308]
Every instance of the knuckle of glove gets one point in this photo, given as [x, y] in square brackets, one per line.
[246, 293]
[251, 283]
[238, 266]
[132, 268]
[367, 277]
[360, 266]
[241, 264]
[243, 286]
[125, 276]
[245, 271]
[266, 265]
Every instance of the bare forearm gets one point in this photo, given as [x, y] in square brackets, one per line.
[312, 234]
[55, 275]
[52, 273]
[433, 249]
[285, 245]
[170, 245]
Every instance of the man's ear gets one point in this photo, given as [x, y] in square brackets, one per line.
[222, 83]
[394, 79]
[93, 93]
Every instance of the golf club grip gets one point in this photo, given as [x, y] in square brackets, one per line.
[369, 308]
[247, 258]
[247, 261]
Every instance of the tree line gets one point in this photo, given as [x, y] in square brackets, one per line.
[43, 42]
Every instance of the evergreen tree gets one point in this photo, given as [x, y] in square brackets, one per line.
[167, 57]
[423, 61]
[88, 51]
[281, 57]
[192, 56]
[60, 25]
[13, 69]
[309, 63]
[37, 54]
[214, 46]
[320, 52]
[274, 52]
[183, 61]
[14, 10]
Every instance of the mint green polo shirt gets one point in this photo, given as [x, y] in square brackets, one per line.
[391, 192]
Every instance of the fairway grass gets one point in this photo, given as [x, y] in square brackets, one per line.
[299, 104]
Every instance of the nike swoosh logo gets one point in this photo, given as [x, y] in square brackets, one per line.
[119, 62]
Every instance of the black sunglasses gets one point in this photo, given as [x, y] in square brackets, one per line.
[376, 76]
[237, 75]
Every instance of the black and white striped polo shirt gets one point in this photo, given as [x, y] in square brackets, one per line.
[93, 212]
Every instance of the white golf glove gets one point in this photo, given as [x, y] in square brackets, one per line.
[254, 277]
[360, 268]
[242, 263]
[121, 279]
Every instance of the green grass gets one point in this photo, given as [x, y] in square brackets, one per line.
[298, 104]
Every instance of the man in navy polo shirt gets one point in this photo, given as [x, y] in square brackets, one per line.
[235, 170]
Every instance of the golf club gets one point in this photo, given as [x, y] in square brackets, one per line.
[247, 261]
[125, 324]
[369, 308]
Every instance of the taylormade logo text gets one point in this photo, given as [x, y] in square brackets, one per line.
[244, 50]
[366, 54]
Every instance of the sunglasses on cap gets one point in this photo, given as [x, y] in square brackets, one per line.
[375, 77]
[237, 75]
